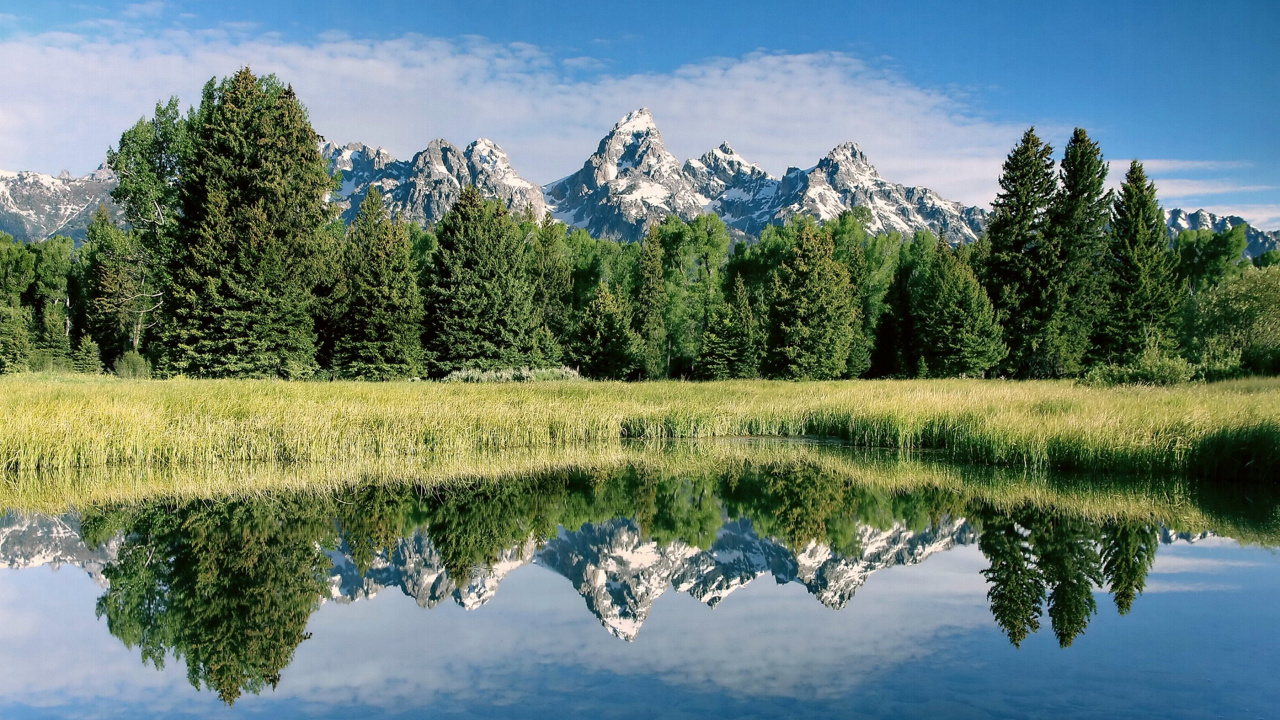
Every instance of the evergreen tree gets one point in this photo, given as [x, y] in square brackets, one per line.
[748, 343]
[253, 193]
[1065, 551]
[958, 330]
[718, 358]
[15, 338]
[478, 299]
[551, 268]
[1076, 301]
[1017, 585]
[380, 336]
[1141, 270]
[1021, 260]
[813, 321]
[605, 347]
[651, 308]
[87, 358]
[899, 346]
[1128, 553]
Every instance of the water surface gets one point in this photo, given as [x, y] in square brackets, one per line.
[757, 590]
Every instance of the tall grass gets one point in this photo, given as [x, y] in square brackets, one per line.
[56, 423]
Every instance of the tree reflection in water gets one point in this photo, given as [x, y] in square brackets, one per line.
[227, 586]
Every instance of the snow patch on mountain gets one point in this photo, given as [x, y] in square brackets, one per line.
[34, 206]
[1259, 241]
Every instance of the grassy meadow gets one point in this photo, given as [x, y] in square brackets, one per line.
[57, 423]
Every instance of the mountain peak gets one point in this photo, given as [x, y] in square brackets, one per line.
[636, 122]
[848, 153]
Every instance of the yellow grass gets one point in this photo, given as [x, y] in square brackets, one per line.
[58, 423]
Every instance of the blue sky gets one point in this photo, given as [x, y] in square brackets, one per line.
[934, 92]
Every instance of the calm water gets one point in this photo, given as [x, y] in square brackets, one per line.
[770, 591]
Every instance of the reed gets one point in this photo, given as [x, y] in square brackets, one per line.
[57, 423]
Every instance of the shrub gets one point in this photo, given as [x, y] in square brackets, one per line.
[46, 361]
[1153, 367]
[132, 366]
[512, 375]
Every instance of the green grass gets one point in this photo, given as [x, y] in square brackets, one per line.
[54, 423]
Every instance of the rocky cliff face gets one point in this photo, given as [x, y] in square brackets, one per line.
[424, 188]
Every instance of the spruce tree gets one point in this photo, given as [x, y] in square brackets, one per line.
[1018, 270]
[1066, 554]
[253, 191]
[15, 338]
[605, 347]
[380, 329]
[1017, 585]
[478, 298]
[813, 321]
[958, 330]
[749, 344]
[651, 308]
[718, 357]
[1142, 274]
[1078, 218]
[87, 358]
[1128, 553]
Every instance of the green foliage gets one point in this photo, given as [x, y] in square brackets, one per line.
[17, 270]
[120, 295]
[1128, 553]
[605, 347]
[651, 306]
[1072, 262]
[226, 586]
[1017, 585]
[1144, 296]
[813, 322]
[1267, 259]
[1155, 366]
[959, 335]
[87, 358]
[1206, 259]
[1240, 319]
[15, 339]
[252, 190]
[379, 336]
[732, 345]
[899, 347]
[132, 366]
[1022, 253]
[479, 302]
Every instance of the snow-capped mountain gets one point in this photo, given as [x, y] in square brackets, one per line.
[1260, 241]
[620, 573]
[632, 181]
[34, 206]
[422, 189]
[35, 540]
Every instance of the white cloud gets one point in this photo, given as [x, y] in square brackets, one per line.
[149, 10]
[1188, 187]
[1160, 166]
[69, 95]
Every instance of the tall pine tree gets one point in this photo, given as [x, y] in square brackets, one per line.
[1019, 266]
[1142, 271]
[479, 301]
[1078, 218]
[958, 330]
[253, 191]
[380, 329]
[813, 321]
[651, 308]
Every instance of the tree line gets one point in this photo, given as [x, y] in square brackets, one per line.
[234, 263]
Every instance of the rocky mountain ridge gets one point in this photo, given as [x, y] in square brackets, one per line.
[629, 183]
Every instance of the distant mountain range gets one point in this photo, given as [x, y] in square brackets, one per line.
[629, 183]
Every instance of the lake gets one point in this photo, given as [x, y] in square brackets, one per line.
[821, 585]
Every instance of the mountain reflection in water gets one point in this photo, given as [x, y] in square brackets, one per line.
[227, 586]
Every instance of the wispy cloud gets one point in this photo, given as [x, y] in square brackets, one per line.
[777, 109]
[1188, 187]
[1161, 166]
[144, 10]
